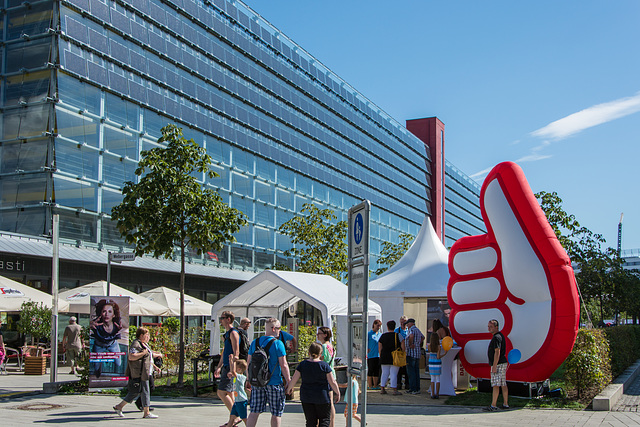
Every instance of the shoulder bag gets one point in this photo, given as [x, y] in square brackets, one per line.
[399, 356]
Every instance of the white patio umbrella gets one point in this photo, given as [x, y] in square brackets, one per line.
[170, 298]
[79, 299]
[13, 294]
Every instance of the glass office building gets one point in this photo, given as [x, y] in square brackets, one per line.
[88, 84]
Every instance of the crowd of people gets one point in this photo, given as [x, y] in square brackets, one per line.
[255, 375]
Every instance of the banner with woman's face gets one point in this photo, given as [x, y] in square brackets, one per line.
[109, 341]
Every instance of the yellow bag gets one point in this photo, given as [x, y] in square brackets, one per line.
[399, 356]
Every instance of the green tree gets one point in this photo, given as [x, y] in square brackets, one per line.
[595, 266]
[35, 320]
[169, 208]
[321, 245]
[392, 252]
[566, 226]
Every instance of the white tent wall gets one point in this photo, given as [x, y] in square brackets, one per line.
[270, 294]
[392, 308]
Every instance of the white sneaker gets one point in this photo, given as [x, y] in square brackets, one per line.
[118, 412]
[150, 415]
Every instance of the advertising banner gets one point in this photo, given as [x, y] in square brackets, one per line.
[109, 341]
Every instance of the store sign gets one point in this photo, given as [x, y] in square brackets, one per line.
[11, 264]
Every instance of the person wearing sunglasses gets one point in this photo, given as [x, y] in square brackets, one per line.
[231, 346]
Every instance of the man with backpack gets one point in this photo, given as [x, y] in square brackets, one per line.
[231, 346]
[267, 367]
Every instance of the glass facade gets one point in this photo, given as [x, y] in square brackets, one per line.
[88, 84]
[462, 206]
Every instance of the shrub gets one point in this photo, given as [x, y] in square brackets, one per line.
[35, 320]
[306, 336]
[588, 368]
[173, 324]
[624, 344]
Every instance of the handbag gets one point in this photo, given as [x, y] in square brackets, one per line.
[135, 385]
[399, 356]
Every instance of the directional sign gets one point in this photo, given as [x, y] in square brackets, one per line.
[357, 289]
[121, 256]
[357, 344]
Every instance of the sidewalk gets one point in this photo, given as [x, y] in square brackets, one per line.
[631, 398]
[406, 410]
[16, 382]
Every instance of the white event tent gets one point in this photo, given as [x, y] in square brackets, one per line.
[271, 293]
[422, 273]
[170, 298]
[80, 297]
[13, 294]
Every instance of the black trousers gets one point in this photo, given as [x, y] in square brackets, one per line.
[403, 373]
[317, 414]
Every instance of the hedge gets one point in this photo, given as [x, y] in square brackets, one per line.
[588, 368]
[624, 344]
[600, 355]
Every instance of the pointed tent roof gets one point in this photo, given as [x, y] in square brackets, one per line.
[13, 294]
[422, 271]
[169, 298]
[79, 299]
[272, 292]
[279, 289]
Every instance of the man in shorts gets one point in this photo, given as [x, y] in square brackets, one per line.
[497, 354]
[273, 392]
[231, 346]
[72, 343]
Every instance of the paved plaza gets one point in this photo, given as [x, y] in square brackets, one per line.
[22, 404]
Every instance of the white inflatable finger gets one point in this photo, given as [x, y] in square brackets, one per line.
[476, 261]
[476, 351]
[473, 291]
[475, 321]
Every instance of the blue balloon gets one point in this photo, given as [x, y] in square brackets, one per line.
[514, 356]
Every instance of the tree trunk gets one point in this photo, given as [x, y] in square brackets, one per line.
[181, 344]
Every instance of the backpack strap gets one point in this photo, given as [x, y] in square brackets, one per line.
[266, 347]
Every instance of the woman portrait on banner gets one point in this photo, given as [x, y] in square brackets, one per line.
[106, 329]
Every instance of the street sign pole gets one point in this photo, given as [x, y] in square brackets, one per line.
[358, 308]
[116, 257]
[108, 273]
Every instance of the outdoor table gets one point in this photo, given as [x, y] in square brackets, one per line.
[210, 382]
[447, 387]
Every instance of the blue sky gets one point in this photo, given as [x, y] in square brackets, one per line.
[551, 85]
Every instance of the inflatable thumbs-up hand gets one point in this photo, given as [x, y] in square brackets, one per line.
[517, 273]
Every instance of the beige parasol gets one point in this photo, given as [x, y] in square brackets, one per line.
[170, 298]
[13, 294]
[79, 299]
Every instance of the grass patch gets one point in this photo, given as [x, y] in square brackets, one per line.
[472, 397]
[167, 386]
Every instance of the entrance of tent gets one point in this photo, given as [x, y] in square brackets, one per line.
[425, 311]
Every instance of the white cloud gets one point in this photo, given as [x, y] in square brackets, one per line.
[533, 157]
[480, 175]
[590, 117]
